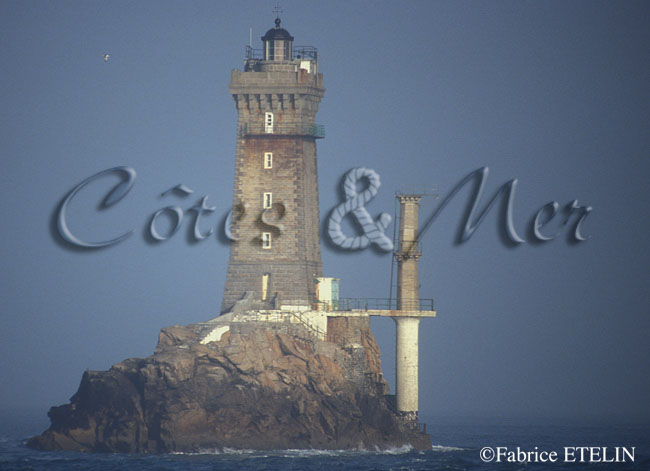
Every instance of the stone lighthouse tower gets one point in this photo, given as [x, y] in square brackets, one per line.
[275, 251]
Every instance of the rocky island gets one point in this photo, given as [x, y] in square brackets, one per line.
[288, 364]
[238, 382]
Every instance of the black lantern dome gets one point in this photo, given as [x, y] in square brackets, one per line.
[277, 43]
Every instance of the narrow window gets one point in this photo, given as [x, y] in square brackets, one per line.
[268, 200]
[268, 123]
[270, 55]
[266, 240]
[287, 51]
[268, 159]
[279, 50]
[265, 286]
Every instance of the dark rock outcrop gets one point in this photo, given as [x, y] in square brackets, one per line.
[256, 387]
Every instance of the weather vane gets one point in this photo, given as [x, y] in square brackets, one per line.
[277, 10]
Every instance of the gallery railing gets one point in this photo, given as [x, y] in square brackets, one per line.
[382, 304]
[297, 53]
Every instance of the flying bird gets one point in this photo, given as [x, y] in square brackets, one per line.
[106, 56]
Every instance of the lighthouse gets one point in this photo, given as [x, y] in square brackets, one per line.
[275, 249]
[275, 274]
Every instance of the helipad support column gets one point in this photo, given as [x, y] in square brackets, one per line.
[408, 254]
[408, 299]
[406, 366]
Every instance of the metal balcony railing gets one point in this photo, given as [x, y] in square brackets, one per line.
[297, 53]
[257, 54]
[382, 304]
[313, 130]
[305, 52]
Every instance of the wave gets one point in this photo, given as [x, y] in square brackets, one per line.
[297, 452]
[217, 451]
[446, 448]
[396, 451]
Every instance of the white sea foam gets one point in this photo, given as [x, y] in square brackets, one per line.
[359, 450]
[297, 453]
[396, 451]
[445, 448]
[215, 451]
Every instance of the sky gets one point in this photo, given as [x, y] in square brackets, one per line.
[553, 94]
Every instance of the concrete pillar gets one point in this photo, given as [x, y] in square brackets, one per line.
[408, 254]
[406, 365]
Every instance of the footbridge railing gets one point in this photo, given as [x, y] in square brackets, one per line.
[388, 304]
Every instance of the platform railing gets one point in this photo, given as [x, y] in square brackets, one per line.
[297, 53]
[315, 330]
[381, 304]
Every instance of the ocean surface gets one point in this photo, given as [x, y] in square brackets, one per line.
[458, 444]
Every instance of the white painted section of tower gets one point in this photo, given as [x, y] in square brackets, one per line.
[406, 364]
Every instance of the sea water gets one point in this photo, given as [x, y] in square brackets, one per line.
[457, 445]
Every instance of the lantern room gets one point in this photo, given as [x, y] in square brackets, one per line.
[277, 44]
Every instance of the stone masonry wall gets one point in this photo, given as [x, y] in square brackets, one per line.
[294, 259]
[346, 330]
